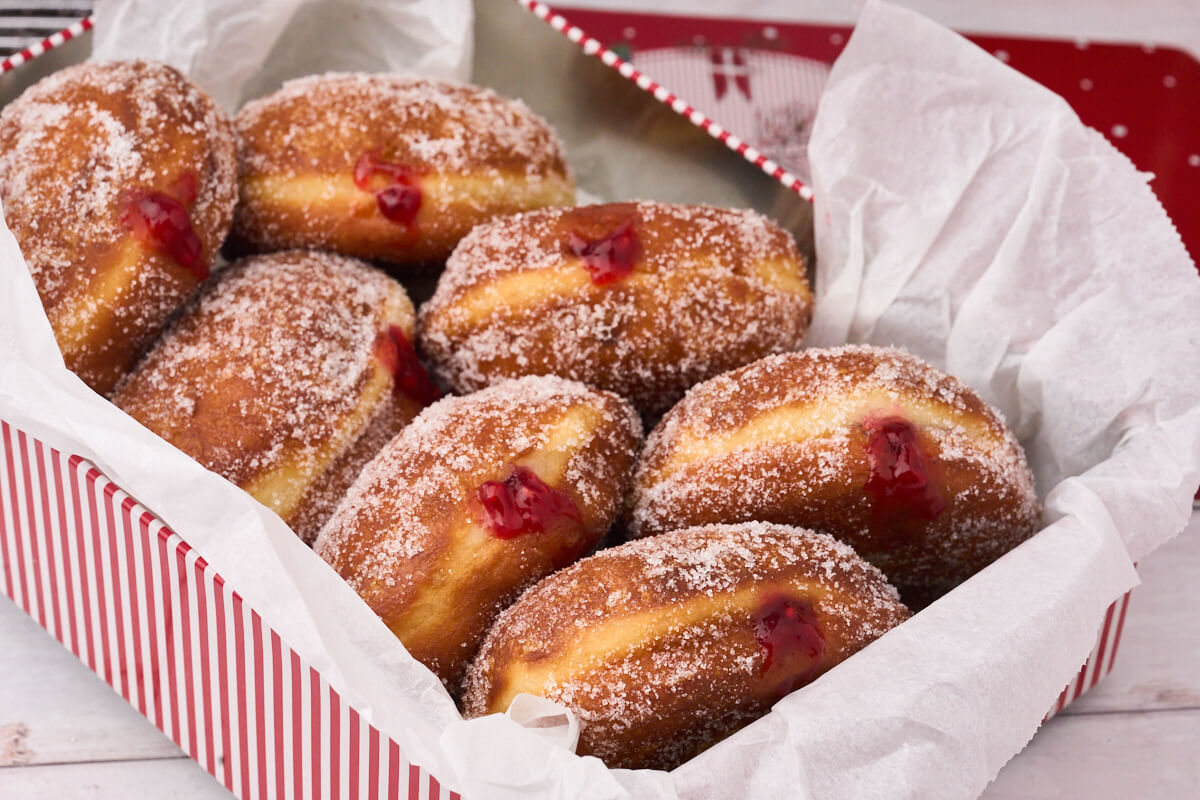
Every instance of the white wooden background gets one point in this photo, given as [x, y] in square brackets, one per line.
[65, 734]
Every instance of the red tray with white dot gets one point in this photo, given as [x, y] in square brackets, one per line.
[763, 80]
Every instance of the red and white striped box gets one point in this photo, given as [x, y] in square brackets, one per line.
[136, 604]
[142, 609]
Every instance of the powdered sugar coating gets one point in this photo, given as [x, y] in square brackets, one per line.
[409, 528]
[476, 128]
[653, 643]
[73, 148]
[783, 439]
[711, 289]
[472, 154]
[268, 363]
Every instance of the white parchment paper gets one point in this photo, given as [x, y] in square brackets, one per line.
[963, 212]
[238, 50]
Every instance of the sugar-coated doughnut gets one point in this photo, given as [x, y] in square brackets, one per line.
[118, 181]
[389, 168]
[665, 645]
[287, 374]
[478, 498]
[872, 445]
[643, 299]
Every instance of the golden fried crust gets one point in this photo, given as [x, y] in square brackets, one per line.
[711, 289]
[413, 540]
[74, 149]
[393, 411]
[272, 376]
[472, 155]
[786, 440]
[665, 645]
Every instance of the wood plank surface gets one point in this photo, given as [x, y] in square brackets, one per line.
[1108, 756]
[53, 709]
[175, 778]
[1158, 660]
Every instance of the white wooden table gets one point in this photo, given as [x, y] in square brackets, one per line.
[65, 734]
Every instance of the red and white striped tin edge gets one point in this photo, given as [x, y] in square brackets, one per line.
[49, 43]
[139, 607]
[664, 95]
[1102, 658]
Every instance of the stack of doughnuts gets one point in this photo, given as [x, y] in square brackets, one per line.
[787, 509]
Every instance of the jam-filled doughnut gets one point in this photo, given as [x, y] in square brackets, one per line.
[872, 445]
[665, 645]
[118, 180]
[286, 375]
[389, 168]
[478, 498]
[643, 299]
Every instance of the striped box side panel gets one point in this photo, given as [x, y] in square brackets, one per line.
[1100, 661]
[138, 606]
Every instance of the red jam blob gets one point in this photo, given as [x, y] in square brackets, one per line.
[899, 486]
[396, 353]
[399, 199]
[610, 258]
[184, 189]
[522, 503]
[162, 222]
[399, 203]
[788, 633]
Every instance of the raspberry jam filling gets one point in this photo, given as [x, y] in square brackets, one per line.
[396, 353]
[900, 485]
[523, 503]
[161, 221]
[398, 199]
[184, 189]
[788, 634]
[609, 258]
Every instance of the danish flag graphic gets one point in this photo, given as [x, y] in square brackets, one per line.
[728, 62]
